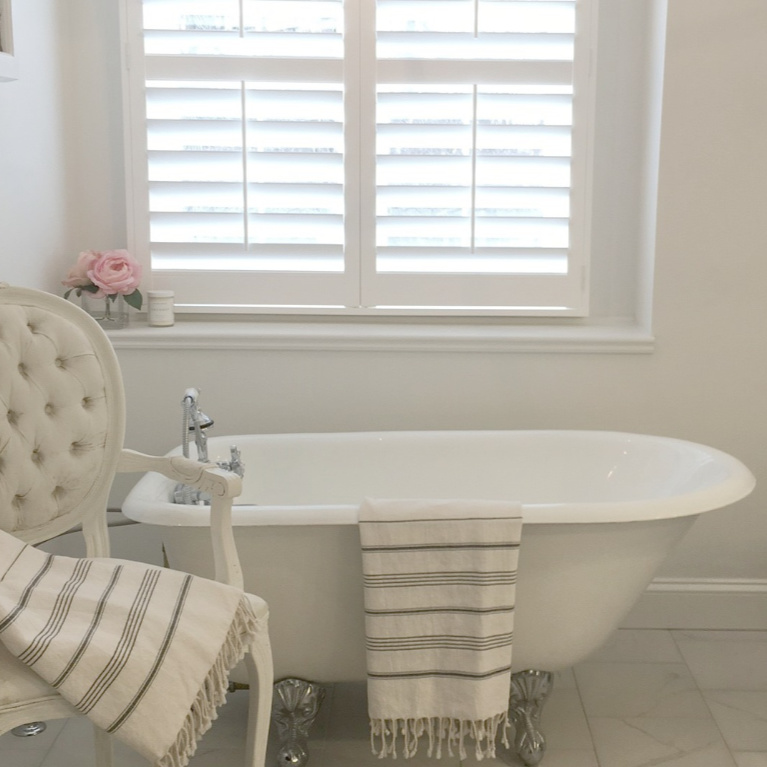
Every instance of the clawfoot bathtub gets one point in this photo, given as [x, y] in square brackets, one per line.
[601, 512]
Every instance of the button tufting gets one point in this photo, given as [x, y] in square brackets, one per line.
[22, 368]
[36, 457]
[13, 417]
[49, 409]
[59, 362]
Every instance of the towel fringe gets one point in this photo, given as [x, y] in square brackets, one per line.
[212, 693]
[441, 731]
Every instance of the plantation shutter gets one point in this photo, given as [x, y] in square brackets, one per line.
[244, 110]
[398, 155]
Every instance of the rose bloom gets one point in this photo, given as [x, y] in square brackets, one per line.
[78, 274]
[115, 271]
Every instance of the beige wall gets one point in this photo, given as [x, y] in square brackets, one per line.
[34, 198]
[705, 381]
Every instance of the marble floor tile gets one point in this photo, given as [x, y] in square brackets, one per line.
[37, 745]
[638, 646]
[741, 716]
[564, 680]
[21, 758]
[644, 741]
[725, 660]
[750, 758]
[563, 722]
[74, 748]
[639, 689]
[568, 757]
[648, 698]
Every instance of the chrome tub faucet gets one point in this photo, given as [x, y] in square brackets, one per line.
[195, 422]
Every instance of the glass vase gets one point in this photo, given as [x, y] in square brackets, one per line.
[110, 314]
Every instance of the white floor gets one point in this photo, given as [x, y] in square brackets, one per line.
[670, 698]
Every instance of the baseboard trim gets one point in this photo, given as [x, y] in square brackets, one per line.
[701, 603]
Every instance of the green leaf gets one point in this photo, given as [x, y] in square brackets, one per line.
[66, 293]
[134, 299]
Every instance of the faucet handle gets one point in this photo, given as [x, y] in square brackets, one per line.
[234, 463]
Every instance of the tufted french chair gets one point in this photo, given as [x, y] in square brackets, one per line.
[62, 422]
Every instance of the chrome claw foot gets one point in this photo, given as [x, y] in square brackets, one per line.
[295, 706]
[529, 691]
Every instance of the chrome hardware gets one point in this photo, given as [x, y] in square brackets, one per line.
[295, 706]
[235, 463]
[529, 691]
[196, 422]
[29, 730]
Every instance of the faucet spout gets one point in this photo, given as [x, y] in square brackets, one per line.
[195, 422]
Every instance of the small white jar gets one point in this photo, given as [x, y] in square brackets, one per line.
[160, 308]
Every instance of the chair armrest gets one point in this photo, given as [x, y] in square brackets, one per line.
[220, 484]
[204, 476]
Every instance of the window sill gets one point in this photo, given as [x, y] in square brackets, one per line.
[602, 338]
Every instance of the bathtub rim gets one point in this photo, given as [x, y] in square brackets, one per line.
[146, 501]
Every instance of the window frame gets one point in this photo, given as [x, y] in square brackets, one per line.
[625, 316]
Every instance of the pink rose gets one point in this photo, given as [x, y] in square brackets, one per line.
[78, 274]
[115, 271]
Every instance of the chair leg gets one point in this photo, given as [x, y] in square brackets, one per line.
[103, 741]
[258, 662]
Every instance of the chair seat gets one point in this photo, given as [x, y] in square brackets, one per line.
[260, 608]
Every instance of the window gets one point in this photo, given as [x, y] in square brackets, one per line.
[364, 156]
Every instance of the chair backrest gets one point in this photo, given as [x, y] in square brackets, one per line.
[62, 418]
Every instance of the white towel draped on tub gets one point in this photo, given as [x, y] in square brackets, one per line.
[143, 651]
[439, 615]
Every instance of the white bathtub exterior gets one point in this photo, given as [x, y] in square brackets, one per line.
[601, 512]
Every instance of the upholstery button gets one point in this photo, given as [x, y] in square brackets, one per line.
[49, 409]
[59, 362]
[13, 417]
[22, 368]
[36, 457]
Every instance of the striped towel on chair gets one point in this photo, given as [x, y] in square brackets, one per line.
[439, 615]
[143, 651]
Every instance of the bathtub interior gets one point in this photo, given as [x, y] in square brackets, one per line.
[534, 467]
[557, 475]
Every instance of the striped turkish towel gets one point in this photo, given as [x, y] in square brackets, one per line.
[440, 581]
[143, 651]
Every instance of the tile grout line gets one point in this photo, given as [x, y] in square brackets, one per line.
[586, 717]
[672, 633]
[42, 762]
